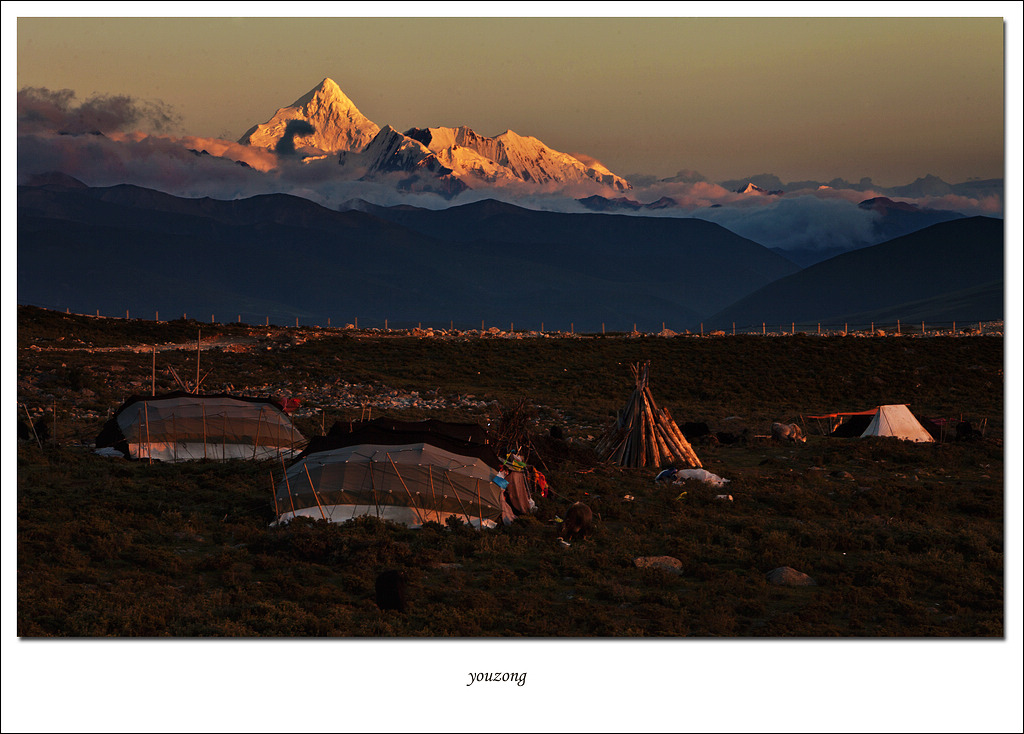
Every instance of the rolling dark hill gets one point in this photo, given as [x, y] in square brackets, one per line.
[949, 271]
[126, 248]
[700, 262]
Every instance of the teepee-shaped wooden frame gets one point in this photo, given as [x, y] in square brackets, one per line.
[644, 434]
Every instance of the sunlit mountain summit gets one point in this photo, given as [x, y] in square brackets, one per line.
[325, 121]
[337, 123]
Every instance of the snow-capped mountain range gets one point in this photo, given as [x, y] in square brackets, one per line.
[439, 158]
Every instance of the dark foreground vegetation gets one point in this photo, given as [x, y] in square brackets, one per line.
[901, 539]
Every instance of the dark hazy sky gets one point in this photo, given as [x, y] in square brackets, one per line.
[891, 98]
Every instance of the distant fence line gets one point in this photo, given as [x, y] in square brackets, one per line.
[764, 328]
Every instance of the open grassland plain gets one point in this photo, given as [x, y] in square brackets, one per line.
[901, 539]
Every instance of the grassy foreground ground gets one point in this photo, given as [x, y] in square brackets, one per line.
[902, 540]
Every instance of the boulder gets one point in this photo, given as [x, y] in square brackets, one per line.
[665, 563]
[786, 576]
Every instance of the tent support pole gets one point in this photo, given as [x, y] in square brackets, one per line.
[412, 501]
[287, 484]
[32, 425]
[373, 493]
[433, 496]
[259, 424]
[315, 495]
[457, 497]
[479, 505]
[199, 350]
[149, 444]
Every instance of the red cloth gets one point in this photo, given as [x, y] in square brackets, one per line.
[541, 482]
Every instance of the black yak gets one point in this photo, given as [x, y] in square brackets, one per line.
[391, 590]
[693, 430]
[578, 521]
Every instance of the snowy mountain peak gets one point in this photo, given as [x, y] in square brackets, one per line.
[754, 189]
[336, 122]
[326, 92]
[325, 120]
[510, 157]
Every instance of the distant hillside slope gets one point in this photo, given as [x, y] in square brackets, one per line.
[699, 262]
[949, 271]
[126, 248]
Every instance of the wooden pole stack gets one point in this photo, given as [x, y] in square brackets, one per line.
[644, 434]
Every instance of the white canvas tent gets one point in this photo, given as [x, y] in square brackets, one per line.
[895, 421]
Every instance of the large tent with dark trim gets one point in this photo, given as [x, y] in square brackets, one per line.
[181, 426]
[406, 476]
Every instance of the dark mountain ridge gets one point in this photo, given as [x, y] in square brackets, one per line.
[949, 271]
[125, 248]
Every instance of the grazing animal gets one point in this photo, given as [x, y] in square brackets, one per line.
[391, 590]
[966, 432]
[579, 520]
[788, 432]
[729, 438]
[693, 430]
